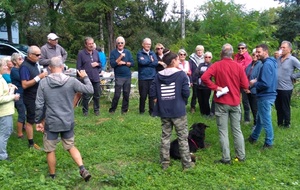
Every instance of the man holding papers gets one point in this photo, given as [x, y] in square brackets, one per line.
[229, 79]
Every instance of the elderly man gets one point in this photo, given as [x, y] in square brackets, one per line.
[265, 85]
[121, 60]
[30, 76]
[147, 63]
[88, 59]
[52, 49]
[58, 87]
[244, 59]
[195, 60]
[286, 76]
[227, 105]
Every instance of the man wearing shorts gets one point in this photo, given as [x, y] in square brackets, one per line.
[30, 76]
[59, 117]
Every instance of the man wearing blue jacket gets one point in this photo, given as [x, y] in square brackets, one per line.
[121, 60]
[266, 85]
[147, 63]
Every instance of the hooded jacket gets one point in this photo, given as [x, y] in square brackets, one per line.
[56, 92]
[195, 61]
[266, 84]
[171, 89]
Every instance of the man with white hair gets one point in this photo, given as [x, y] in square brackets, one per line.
[228, 104]
[147, 63]
[52, 49]
[121, 60]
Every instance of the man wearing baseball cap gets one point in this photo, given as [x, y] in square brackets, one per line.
[52, 49]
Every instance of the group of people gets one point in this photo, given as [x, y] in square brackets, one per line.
[34, 85]
[164, 78]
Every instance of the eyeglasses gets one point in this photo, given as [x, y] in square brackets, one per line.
[182, 54]
[239, 48]
[159, 48]
[20, 58]
[120, 42]
[36, 54]
[207, 57]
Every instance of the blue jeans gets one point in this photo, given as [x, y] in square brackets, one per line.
[6, 128]
[264, 120]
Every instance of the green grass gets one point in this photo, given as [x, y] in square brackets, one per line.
[122, 152]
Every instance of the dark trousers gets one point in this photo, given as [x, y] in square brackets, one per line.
[246, 106]
[144, 91]
[121, 84]
[203, 100]
[194, 96]
[282, 105]
[253, 105]
[96, 98]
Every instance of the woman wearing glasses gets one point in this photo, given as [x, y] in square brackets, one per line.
[203, 92]
[159, 48]
[17, 60]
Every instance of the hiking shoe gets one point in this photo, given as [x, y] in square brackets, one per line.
[222, 162]
[36, 147]
[193, 110]
[193, 157]
[251, 140]
[165, 166]
[85, 174]
[192, 165]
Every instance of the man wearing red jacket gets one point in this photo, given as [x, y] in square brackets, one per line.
[229, 75]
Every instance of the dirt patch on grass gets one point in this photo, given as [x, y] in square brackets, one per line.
[101, 120]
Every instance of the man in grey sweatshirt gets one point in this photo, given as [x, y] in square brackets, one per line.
[56, 92]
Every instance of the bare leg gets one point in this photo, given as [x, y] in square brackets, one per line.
[51, 162]
[76, 155]
[29, 131]
[20, 129]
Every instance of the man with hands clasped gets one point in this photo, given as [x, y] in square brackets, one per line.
[121, 60]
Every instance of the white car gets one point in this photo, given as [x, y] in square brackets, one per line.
[8, 49]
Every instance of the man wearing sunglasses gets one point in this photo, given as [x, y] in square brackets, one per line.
[244, 59]
[30, 76]
[121, 60]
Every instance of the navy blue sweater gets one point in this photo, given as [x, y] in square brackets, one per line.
[121, 71]
[171, 89]
[146, 67]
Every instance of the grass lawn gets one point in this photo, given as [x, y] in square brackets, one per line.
[122, 152]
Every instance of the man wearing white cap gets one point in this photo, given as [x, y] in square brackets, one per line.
[52, 49]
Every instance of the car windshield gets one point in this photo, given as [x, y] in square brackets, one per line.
[21, 47]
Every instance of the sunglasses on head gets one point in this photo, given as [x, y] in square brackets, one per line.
[120, 42]
[182, 54]
[241, 48]
[159, 48]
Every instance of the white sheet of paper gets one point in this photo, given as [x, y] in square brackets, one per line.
[221, 93]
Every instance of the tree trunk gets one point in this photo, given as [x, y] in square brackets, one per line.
[8, 22]
[109, 19]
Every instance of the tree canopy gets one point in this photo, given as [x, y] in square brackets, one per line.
[216, 22]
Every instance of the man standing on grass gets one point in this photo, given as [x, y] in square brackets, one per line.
[58, 87]
[121, 60]
[286, 77]
[265, 84]
[30, 76]
[88, 59]
[147, 63]
[230, 74]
